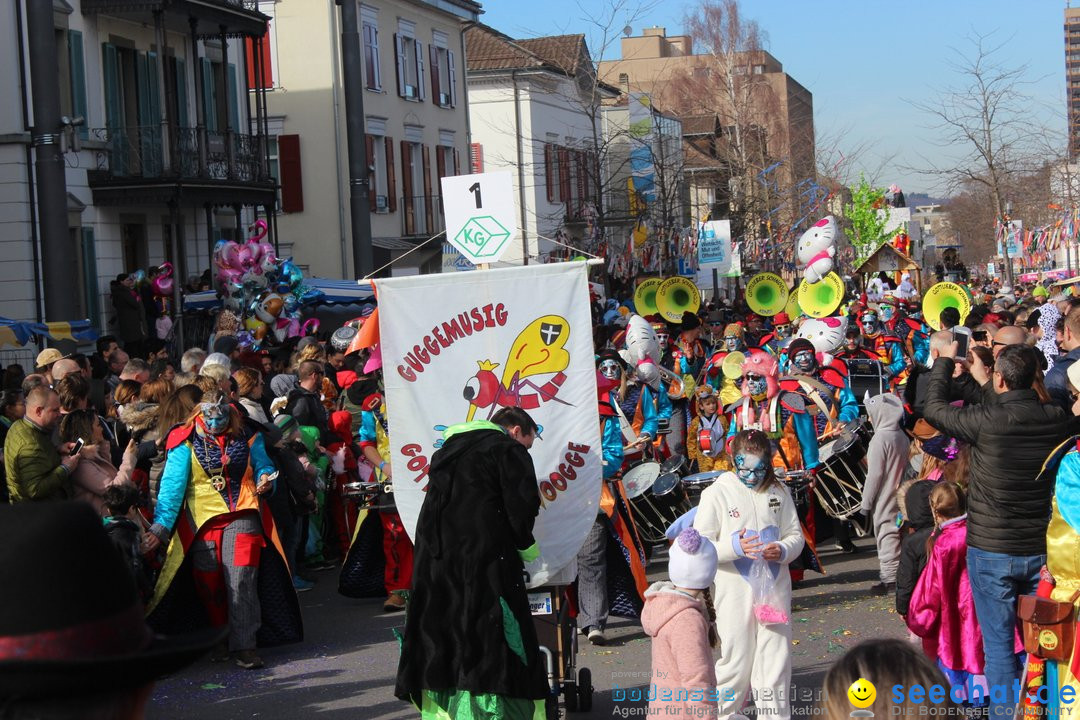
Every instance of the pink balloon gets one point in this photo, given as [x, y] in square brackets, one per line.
[260, 229]
[227, 276]
[163, 283]
[310, 326]
[245, 258]
[230, 256]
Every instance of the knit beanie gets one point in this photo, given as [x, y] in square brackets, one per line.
[283, 384]
[692, 561]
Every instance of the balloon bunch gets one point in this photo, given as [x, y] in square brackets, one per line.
[265, 291]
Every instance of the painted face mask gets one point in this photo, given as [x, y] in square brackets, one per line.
[870, 323]
[750, 469]
[804, 360]
[216, 416]
[783, 332]
[756, 384]
[887, 312]
[663, 339]
[731, 343]
[610, 369]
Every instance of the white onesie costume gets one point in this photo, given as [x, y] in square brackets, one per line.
[751, 655]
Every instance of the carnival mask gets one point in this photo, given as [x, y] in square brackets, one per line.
[610, 369]
[756, 384]
[804, 360]
[663, 338]
[887, 312]
[870, 323]
[215, 416]
[731, 343]
[783, 332]
[750, 469]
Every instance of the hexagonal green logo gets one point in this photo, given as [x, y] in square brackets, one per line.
[482, 237]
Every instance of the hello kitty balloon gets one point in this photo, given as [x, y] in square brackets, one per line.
[826, 334]
[816, 249]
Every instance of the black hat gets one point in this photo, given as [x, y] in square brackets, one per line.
[690, 321]
[799, 345]
[609, 354]
[72, 623]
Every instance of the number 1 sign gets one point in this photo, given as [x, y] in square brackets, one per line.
[480, 216]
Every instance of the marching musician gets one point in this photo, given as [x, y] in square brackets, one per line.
[732, 341]
[775, 342]
[914, 335]
[710, 425]
[853, 347]
[613, 522]
[687, 361]
[886, 345]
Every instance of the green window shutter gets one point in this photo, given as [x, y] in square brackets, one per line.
[182, 116]
[152, 61]
[234, 107]
[92, 297]
[78, 79]
[208, 95]
[114, 118]
[142, 78]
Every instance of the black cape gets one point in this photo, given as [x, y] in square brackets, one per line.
[482, 501]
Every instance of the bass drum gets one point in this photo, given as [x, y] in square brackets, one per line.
[841, 476]
[640, 478]
[657, 508]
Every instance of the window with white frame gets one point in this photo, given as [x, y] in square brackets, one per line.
[443, 71]
[409, 53]
[369, 18]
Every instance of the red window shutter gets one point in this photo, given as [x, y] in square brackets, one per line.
[435, 82]
[427, 184]
[391, 184]
[266, 80]
[564, 174]
[407, 199]
[372, 176]
[476, 158]
[579, 163]
[292, 186]
[549, 171]
[440, 161]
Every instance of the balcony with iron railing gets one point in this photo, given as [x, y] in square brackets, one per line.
[212, 17]
[161, 156]
[421, 216]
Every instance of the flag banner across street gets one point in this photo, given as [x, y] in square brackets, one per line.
[458, 347]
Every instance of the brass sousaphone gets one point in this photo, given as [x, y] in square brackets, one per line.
[675, 296]
[645, 297]
[821, 299]
[766, 294]
[941, 296]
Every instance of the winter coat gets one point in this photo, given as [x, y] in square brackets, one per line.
[681, 657]
[130, 323]
[308, 409]
[1057, 379]
[920, 522]
[942, 609]
[32, 464]
[1008, 503]
[469, 626]
[94, 474]
[126, 537]
[887, 454]
[141, 420]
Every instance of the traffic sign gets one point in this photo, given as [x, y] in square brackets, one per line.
[480, 215]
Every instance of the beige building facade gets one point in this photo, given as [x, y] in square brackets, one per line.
[416, 124]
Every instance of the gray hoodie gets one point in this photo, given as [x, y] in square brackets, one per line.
[887, 455]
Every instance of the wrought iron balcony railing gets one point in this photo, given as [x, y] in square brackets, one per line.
[155, 152]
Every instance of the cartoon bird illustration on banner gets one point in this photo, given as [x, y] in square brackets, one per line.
[539, 349]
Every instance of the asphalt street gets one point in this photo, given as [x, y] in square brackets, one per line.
[345, 667]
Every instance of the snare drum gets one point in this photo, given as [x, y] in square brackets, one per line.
[841, 476]
[640, 478]
[658, 507]
[696, 484]
[674, 464]
[704, 441]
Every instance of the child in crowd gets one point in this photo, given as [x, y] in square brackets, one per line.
[918, 524]
[124, 526]
[886, 459]
[942, 610]
[750, 516]
[680, 619]
[707, 419]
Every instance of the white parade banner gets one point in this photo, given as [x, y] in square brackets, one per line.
[458, 347]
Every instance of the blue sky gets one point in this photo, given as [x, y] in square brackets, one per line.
[860, 58]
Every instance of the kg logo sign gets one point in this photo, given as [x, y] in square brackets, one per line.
[480, 214]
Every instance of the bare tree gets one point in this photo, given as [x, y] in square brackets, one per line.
[984, 117]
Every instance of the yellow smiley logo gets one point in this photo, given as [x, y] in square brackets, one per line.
[862, 693]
